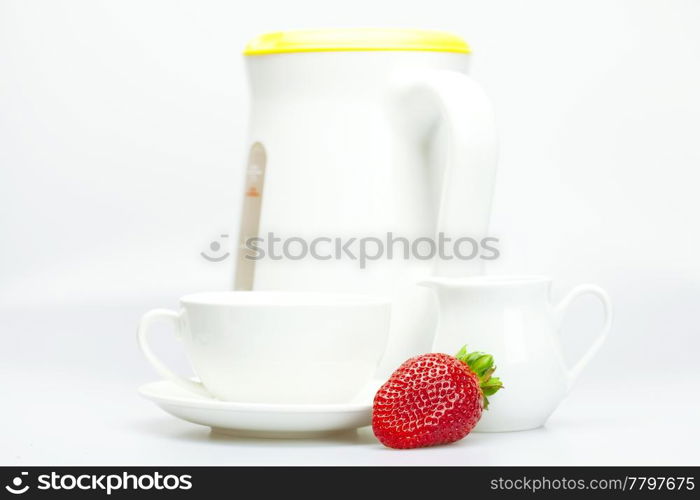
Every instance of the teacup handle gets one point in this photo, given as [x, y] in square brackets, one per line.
[175, 318]
[560, 311]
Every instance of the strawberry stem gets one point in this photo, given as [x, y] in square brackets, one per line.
[482, 365]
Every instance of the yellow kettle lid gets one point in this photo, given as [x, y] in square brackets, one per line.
[355, 39]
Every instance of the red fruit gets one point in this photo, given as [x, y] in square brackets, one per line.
[433, 399]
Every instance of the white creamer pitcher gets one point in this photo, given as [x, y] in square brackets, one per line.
[364, 132]
[513, 319]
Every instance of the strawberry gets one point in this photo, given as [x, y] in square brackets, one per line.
[433, 399]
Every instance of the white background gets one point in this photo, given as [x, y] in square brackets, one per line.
[122, 137]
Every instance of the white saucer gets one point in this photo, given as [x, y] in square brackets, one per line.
[262, 420]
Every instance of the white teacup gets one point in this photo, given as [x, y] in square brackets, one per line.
[276, 347]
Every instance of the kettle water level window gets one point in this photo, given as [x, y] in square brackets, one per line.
[250, 220]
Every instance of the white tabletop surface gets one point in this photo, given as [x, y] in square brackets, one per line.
[71, 398]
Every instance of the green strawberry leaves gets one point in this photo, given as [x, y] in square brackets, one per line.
[482, 365]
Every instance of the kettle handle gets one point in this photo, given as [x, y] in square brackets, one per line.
[453, 98]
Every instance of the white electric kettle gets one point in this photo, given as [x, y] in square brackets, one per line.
[364, 133]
